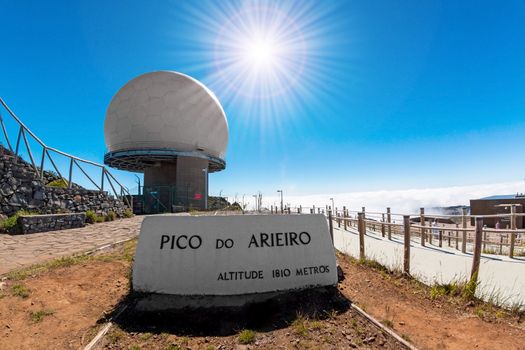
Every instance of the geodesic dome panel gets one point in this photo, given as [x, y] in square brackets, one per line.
[166, 111]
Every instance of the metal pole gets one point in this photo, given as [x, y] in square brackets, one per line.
[102, 179]
[42, 163]
[464, 232]
[71, 173]
[331, 226]
[205, 171]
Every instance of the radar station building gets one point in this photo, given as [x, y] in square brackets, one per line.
[173, 129]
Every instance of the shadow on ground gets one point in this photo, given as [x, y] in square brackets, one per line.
[275, 313]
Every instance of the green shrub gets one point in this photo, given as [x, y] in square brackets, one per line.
[247, 336]
[37, 316]
[20, 290]
[111, 216]
[11, 223]
[58, 183]
[128, 213]
[92, 217]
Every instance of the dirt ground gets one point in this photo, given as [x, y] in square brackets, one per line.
[320, 319]
[406, 306]
[63, 307]
[59, 309]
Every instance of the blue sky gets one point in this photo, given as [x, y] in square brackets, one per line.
[393, 95]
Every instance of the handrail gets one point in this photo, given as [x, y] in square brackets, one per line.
[124, 192]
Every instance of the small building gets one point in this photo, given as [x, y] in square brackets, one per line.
[499, 204]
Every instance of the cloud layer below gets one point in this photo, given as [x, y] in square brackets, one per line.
[402, 201]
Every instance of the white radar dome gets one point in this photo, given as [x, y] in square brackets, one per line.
[166, 111]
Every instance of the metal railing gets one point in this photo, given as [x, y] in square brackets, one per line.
[47, 151]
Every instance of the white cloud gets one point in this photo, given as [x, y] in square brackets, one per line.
[402, 201]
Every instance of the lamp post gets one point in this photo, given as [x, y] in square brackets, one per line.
[281, 191]
[138, 181]
[205, 172]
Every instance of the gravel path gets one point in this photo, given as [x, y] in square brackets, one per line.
[23, 250]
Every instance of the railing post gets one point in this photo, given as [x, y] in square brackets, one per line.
[42, 163]
[406, 242]
[440, 233]
[422, 223]
[102, 179]
[457, 237]
[477, 250]
[344, 217]
[389, 221]
[513, 228]
[383, 225]
[331, 226]
[20, 131]
[484, 239]
[70, 173]
[464, 232]
[361, 230]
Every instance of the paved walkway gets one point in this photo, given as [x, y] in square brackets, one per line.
[500, 277]
[23, 250]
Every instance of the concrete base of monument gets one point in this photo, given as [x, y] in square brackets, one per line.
[161, 302]
[171, 314]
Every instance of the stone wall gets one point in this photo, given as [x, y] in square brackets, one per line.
[22, 189]
[52, 222]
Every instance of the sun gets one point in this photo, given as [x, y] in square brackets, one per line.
[260, 52]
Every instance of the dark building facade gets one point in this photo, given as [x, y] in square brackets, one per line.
[498, 205]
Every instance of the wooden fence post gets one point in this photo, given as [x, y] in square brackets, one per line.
[512, 227]
[389, 220]
[457, 237]
[406, 241]
[383, 225]
[422, 223]
[331, 226]
[477, 250]
[344, 218]
[464, 232]
[361, 228]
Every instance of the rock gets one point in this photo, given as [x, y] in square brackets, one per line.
[369, 340]
[6, 190]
